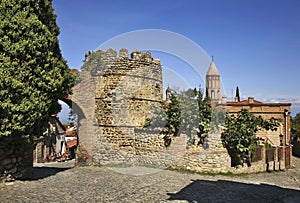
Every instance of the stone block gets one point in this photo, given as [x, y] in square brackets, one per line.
[8, 166]
[13, 170]
[6, 161]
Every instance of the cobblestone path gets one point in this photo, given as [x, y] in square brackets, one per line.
[57, 182]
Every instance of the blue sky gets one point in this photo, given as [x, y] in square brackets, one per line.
[255, 43]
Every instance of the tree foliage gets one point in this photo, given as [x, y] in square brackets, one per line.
[196, 114]
[166, 116]
[239, 137]
[173, 113]
[237, 94]
[295, 126]
[218, 116]
[33, 73]
[188, 112]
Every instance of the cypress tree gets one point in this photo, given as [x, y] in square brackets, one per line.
[237, 94]
[33, 73]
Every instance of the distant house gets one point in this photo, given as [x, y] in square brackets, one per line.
[56, 143]
[267, 110]
[71, 141]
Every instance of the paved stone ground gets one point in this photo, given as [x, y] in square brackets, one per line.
[60, 182]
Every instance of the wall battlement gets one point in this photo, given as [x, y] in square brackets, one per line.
[116, 94]
[100, 59]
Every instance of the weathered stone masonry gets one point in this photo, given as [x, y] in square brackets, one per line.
[116, 94]
[15, 158]
[127, 89]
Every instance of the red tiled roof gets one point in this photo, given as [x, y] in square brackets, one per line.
[74, 71]
[244, 102]
[71, 143]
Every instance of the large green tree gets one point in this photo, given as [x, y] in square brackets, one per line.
[188, 112]
[196, 114]
[295, 126]
[33, 73]
[239, 136]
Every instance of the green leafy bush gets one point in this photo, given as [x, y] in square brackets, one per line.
[239, 137]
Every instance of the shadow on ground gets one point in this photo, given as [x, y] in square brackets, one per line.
[228, 191]
[45, 171]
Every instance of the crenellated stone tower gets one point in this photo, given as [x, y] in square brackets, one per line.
[125, 93]
[116, 94]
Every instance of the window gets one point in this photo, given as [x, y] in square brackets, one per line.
[212, 94]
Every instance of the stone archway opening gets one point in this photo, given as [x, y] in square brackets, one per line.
[59, 143]
[55, 150]
[66, 146]
[71, 126]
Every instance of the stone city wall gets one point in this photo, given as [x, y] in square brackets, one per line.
[210, 157]
[115, 95]
[16, 160]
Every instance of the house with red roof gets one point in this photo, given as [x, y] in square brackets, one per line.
[56, 144]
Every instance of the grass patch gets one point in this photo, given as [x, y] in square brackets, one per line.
[127, 164]
[187, 171]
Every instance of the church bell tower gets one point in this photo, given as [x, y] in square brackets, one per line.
[213, 83]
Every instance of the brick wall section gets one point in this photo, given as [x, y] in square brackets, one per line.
[16, 158]
[267, 111]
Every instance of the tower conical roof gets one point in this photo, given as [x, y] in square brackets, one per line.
[168, 89]
[212, 70]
